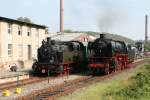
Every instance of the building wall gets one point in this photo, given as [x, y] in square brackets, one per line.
[20, 44]
[0, 39]
[0, 42]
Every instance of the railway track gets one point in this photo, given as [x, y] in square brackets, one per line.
[70, 86]
[20, 83]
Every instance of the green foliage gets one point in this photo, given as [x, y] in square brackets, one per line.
[68, 31]
[139, 89]
[147, 46]
[25, 19]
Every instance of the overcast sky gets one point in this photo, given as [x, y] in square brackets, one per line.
[123, 17]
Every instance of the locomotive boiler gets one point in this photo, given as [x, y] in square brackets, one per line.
[107, 55]
[60, 57]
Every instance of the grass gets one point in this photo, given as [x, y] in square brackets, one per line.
[135, 86]
[137, 89]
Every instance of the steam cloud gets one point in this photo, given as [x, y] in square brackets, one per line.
[108, 17]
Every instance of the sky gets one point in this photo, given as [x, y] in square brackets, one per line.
[123, 17]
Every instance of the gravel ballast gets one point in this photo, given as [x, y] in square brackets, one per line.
[27, 89]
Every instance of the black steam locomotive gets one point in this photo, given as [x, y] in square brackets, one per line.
[60, 57]
[108, 55]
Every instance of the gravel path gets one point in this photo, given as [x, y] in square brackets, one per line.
[37, 86]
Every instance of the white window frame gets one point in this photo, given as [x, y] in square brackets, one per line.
[10, 50]
[9, 28]
[29, 31]
[20, 30]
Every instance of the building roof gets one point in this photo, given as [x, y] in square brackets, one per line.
[65, 36]
[21, 22]
[72, 37]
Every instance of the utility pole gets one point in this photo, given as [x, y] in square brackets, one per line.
[146, 28]
[61, 16]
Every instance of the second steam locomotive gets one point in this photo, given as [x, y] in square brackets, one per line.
[60, 57]
[108, 55]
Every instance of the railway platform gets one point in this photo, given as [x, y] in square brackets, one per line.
[9, 76]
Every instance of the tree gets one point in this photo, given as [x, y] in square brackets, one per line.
[24, 19]
[147, 46]
[68, 31]
[20, 18]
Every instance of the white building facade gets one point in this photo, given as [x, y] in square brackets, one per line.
[19, 42]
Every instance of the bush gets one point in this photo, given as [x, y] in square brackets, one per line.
[139, 89]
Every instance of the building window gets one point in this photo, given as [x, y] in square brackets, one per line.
[20, 50]
[9, 50]
[29, 31]
[19, 30]
[9, 28]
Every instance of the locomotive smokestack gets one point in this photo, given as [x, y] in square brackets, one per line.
[102, 36]
[61, 16]
[146, 28]
[49, 40]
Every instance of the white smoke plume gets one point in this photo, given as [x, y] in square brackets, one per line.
[108, 17]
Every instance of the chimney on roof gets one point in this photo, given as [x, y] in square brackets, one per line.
[49, 40]
[61, 16]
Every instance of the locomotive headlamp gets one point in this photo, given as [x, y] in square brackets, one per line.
[43, 71]
[51, 60]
